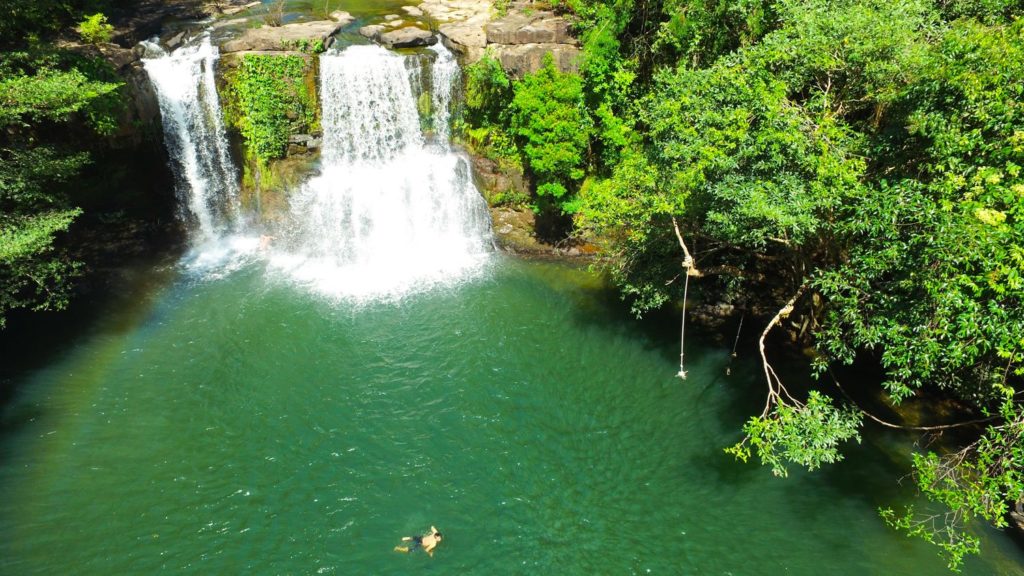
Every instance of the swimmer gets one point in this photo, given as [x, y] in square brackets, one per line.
[428, 542]
[265, 241]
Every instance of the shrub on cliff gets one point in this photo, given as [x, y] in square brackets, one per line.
[95, 29]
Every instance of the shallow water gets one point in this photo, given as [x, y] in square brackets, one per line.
[239, 424]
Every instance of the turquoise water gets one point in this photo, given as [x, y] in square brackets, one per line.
[240, 425]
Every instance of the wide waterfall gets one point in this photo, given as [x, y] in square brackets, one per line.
[207, 180]
[388, 213]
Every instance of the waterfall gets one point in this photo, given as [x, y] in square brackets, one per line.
[387, 214]
[206, 178]
[445, 75]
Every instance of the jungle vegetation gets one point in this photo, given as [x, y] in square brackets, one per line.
[854, 165]
[53, 101]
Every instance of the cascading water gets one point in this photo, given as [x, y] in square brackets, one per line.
[388, 214]
[445, 75]
[207, 180]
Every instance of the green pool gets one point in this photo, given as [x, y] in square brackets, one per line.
[239, 424]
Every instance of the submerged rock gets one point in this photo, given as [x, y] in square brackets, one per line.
[372, 31]
[341, 16]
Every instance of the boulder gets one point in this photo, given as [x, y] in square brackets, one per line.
[119, 58]
[519, 60]
[412, 11]
[270, 38]
[173, 41]
[534, 28]
[407, 37]
[463, 36]
[372, 32]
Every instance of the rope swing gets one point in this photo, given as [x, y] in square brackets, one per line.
[682, 331]
[691, 270]
[728, 369]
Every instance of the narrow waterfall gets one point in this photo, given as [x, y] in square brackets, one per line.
[388, 214]
[445, 75]
[206, 178]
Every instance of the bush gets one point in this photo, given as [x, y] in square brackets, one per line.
[95, 30]
[550, 121]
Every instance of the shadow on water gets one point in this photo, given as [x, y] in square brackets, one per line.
[116, 303]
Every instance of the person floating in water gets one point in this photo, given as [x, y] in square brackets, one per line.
[428, 542]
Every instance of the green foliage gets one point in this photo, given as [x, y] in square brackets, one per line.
[978, 481]
[987, 11]
[698, 31]
[95, 29]
[510, 198]
[805, 434]
[46, 98]
[548, 118]
[483, 123]
[307, 45]
[871, 150]
[29, 175]
[32, 273]
[609, 89]
[269, 99]
[934, 275]
[501, 6]
[488, 92]
[54, 95]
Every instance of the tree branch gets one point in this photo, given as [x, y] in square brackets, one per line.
[901, 426]
[691, 269]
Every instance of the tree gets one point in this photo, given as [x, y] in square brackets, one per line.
[548, 117]
[42, 92]
[859, 164]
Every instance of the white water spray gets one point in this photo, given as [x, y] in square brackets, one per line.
[387, 215]
[207, 180]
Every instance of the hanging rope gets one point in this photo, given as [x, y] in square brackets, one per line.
[737, 342]
[735, 345]
[682, 332]
[691, 270]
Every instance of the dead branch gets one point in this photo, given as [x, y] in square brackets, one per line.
[775, 387]
[935, 428]
[691, 269]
